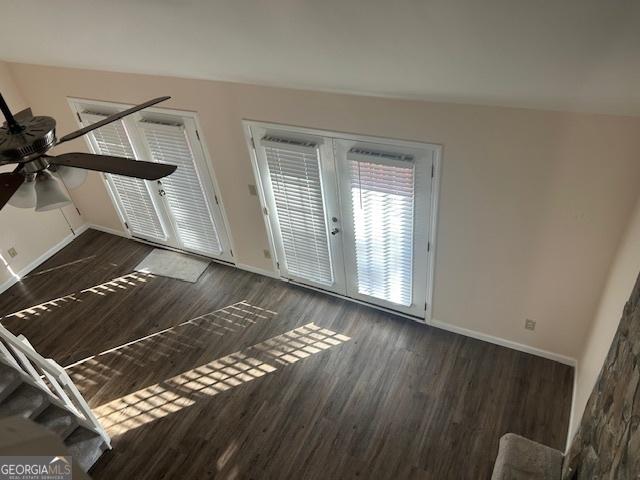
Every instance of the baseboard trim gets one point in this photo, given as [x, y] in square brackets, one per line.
[7, 284]
[505, 343]
[434, 323]
[259, 271]
[81, 229]
[241, 266]
[41, 259]
[112, 231]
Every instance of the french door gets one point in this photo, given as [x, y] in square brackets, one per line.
[349, 214]
[180, 211]
[299, 187]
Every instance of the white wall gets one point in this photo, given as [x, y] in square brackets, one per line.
[32, 234]
[622, 277]
[539, 217]
[533, 203]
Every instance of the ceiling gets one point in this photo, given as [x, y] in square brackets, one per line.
[568, 55]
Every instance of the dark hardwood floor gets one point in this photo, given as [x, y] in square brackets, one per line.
[242, 376]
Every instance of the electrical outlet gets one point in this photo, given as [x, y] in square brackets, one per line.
[530, 324]
[253, 190]
[12, 252]
[267, 253]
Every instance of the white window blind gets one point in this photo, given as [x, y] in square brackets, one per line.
[190, 211]
[294, 172]
[135, 199]
[382, 197]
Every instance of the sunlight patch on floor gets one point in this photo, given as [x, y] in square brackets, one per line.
[112, 286]
[37, 310]
[123, 283]
[184, 390]
[163, 344]
[58, 267]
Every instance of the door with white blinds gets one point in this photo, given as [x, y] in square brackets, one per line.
[133, 196]
[184, 190]
[349, 214]
[299, 187]
[182, 210]
[386, 190]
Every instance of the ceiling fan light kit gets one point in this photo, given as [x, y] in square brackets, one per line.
[49, 193]
[72, 177]
[25, 196]
[25, 140]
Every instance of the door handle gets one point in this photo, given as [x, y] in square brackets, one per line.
[335, 231]
[162, 193]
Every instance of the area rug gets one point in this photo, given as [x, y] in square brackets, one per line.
[172, 264]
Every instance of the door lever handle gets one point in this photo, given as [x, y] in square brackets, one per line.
[334, 231]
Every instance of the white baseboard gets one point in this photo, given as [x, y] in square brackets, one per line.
[435, 323]
[112, 231]
[259, 271]
[242, 266]
[7, 284]
[505, 343]
[42, 258]
[81, 229]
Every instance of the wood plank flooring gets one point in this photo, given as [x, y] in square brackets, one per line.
[240, 376]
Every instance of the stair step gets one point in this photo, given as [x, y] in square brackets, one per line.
[58, 420]
[9, 380]
[85, 447]
[26, 401]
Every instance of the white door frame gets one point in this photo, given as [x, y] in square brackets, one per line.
[203, 162]
[432, 220]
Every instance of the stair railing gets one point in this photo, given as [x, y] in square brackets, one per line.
[49, 376]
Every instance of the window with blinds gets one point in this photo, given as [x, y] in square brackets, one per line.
[192, 218]
[382, 201]
[294, 172]
[134, 196]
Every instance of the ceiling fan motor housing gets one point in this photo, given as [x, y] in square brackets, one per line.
[37, 136]
[25, 141]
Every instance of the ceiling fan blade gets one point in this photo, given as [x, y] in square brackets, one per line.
[9, 183]
[111, 118]
[117, 165]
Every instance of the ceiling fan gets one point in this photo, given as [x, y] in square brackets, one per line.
[35, 182]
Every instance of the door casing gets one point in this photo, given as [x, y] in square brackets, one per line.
[430, 222]
[203, 165]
